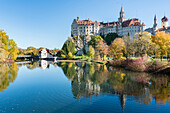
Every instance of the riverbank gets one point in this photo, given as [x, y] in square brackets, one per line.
[142, 64]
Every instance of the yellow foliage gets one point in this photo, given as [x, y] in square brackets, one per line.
[163, 40]
[117, 48]
[63, 56]
[70, 56]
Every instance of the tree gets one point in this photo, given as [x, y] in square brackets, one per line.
[91, 52]
[110, 37]
[94, 40]
[163, 40]
[128, 45]
[3, 52]
[102, 48]
[32, 51]
[142, 43]
[8, 47]
[12, 49]
[117, 48]
[69, 46]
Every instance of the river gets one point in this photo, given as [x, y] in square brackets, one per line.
[79, 87]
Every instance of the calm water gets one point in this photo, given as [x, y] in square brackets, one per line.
[48, 87]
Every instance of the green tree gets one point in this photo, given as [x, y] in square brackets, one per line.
[32, 51]
[91, 52]
[110, 37]
[94, 40]
[69, 46]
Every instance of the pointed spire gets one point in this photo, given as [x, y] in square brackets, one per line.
[122, 9]
[155, 17]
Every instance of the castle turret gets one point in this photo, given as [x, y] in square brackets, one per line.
[155, 25]
[164, 22]
[122, 16]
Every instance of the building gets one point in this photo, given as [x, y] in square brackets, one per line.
[121, 27]
[164, 26]
[44, 53]
[84, 27]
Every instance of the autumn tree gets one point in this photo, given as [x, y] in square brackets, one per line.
[128, 45]
[163, 40]
[8, 47]
[3, 52]
[117, 48]
[12, 49]
[102, 48]
[142, 43]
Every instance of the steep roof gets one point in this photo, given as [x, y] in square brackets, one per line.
[132, 22]
[164, 19]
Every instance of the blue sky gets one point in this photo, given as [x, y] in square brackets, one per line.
[47, 23]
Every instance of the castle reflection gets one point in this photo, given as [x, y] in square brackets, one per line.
[91, 79]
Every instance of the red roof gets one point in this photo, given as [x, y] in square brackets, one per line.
[162, 29]
[86, 22]
[164, 19]
[132, 22]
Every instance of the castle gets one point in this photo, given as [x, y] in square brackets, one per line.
[122, 27]
[164, 26]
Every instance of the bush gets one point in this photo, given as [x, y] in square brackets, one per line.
[136, 65]
[116, 62]
[70, 56]
[156, 65]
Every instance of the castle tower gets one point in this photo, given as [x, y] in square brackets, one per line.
[122, 16]
[164, 22]
[155, 25]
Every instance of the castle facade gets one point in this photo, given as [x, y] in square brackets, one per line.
[122, 27]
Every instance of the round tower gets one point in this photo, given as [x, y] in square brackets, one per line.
[164, 22]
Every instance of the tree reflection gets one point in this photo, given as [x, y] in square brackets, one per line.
[94, 79]
[8, 73]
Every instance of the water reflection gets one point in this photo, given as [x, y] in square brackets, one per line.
[94, 79]
[8, 74]
[90, 79]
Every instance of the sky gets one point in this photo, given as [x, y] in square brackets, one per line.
[47, 23]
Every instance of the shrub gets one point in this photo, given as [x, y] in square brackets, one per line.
[156, 65]
[116, 62]
[70, 56]
[136, 65]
